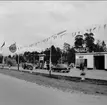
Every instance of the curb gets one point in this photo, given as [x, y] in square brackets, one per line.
[62, 77]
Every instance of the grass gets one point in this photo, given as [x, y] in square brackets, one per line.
[63, 83]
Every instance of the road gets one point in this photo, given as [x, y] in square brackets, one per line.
[19, 92]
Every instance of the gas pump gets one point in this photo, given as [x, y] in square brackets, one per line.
[41, 60]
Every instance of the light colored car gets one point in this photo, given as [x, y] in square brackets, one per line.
[71, 65]
[61, 68]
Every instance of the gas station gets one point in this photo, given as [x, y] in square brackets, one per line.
[94, 60]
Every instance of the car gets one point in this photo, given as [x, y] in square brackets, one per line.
[71, 65]
[61, 68]
[27, 66]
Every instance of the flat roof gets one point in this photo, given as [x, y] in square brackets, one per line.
[41, 54]
[92, 53]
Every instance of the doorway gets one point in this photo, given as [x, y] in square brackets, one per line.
[99, 62]
[85, 63]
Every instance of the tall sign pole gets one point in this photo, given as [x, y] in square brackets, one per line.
[2, 54]
[13, 49]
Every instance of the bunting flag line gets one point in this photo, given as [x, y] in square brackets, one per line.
[99, 27]
[62, 35]
[78, 32]
[94, 28]
[61, 32]
[54, 37]
[13, 48]
[3, 45]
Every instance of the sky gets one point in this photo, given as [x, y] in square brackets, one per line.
[27, 22]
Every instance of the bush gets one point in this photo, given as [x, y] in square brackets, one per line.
[11, 62]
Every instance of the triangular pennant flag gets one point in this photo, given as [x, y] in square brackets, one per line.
[54, 37]
[78, 32]
[3, 45]
[90, 29]
[99, 27]
[94, 28]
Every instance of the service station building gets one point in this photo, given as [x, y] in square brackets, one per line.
[94, 60]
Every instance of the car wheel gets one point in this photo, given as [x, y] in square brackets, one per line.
[31, 68]
[53, 70]
[68, 71]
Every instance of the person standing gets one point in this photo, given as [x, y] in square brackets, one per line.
[82, 71]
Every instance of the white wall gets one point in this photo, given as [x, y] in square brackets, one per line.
[90, 61]
[105, 61]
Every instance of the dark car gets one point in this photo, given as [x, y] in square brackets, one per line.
[27, 66]
[61, 68]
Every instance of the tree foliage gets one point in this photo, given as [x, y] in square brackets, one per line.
[79, 41]
[89, 41]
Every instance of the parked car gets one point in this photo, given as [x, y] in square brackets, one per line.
[61, 68]
[27, 66]
[71, 65]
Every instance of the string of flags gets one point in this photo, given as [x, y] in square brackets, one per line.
[62, 33]
[13, 46]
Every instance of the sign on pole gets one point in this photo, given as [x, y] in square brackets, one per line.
[13, 48]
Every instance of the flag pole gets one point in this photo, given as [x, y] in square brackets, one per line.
[2, 60]
[18, 60]
[2, 54]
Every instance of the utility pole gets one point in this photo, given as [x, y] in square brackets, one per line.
[61, 57]
[50, 69]
[50, 61]
[18, 59]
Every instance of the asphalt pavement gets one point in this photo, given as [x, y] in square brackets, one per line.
[14, 91]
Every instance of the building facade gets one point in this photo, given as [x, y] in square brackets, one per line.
[94, 60]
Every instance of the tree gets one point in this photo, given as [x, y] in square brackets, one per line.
[104, 46]
[71, 55]
[100, 46]
[21, 58]
[54, 57]
[47, 53]
[79, 41]
[55, 54]
[31, 56]
[89, 41]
